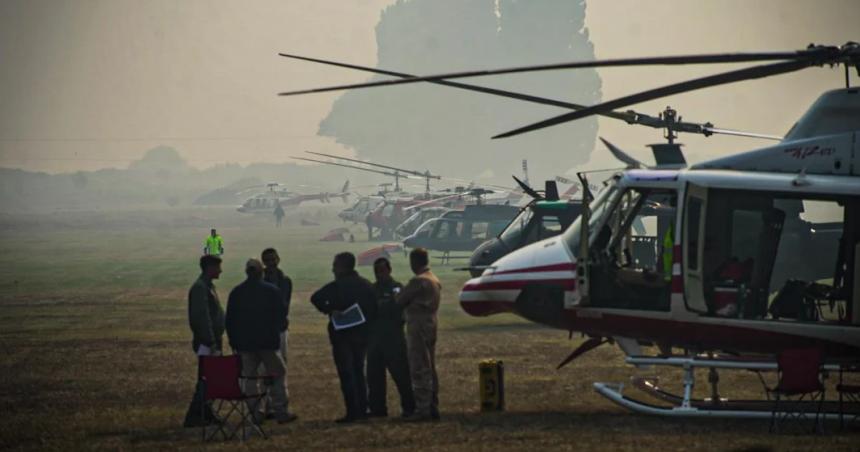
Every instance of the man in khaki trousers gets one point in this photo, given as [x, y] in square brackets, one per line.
[420, 301]
[255, 318]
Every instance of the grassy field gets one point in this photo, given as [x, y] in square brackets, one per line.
[97, 351]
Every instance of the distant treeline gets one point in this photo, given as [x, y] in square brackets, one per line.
[162, 178]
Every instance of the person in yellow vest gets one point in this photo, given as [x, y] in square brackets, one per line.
[214, 244]
[668, 249]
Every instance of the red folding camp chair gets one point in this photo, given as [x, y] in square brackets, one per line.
[221, 377]
[799, 391]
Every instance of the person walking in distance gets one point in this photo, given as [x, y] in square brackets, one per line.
[387, 346]
[279, 214]
[420, 301]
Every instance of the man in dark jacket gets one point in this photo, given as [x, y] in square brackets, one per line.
[206, 319]
[255, 319]
[387, 346]
[350, 303]
[274, 276]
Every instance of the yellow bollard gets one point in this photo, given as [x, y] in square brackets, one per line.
[491, 384]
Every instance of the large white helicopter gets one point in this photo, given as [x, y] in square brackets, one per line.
[725, 227]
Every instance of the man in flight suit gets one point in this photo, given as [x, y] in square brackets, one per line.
[341, 300]
[420, 301]
[387, 346]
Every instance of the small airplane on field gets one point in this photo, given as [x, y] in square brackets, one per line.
[721, 231]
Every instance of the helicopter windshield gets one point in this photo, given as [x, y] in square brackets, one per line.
[598, 208]
[514, 231]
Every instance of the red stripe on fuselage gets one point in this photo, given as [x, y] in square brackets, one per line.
[567, 284]
[565, 266]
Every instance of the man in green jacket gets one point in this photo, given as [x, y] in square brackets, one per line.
[206, 318]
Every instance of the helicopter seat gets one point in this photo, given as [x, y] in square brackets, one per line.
[730, 287]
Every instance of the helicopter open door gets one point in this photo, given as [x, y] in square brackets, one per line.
[693, 237]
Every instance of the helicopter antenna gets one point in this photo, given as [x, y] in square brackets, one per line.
[526, 170]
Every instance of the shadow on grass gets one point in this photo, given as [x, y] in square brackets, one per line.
[600, 420]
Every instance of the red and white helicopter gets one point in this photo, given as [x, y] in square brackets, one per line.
[735, 242]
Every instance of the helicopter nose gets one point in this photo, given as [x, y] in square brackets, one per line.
[411, 242]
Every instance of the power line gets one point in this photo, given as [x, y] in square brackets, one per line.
[142, 139]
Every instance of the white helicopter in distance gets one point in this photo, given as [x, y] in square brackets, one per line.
[732, 285]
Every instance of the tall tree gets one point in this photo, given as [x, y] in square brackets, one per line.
[448, 130]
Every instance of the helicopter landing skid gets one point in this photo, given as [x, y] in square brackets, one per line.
[687, 406]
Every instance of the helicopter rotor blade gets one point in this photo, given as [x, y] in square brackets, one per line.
[643, 61]
[624, 116]
[629, 116]
[386, 173]
[393, 168]
[431, 201]
[668, 90]
[528, 190]
[707, 130]
[624, 157]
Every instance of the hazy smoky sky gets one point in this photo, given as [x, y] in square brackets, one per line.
[93, 84]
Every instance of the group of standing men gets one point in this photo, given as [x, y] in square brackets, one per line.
[256, 322]
[366, 324]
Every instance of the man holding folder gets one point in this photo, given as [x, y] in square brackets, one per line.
[350, 303]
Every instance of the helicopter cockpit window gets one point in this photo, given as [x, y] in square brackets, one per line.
[550, 226]
[513, 234]
[604, 200]
[543, 227]
[778, 257]
[627, 256]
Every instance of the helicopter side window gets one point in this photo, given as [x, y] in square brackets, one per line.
[479, 230]
[444, 230]
[765, 260]
[550, 227]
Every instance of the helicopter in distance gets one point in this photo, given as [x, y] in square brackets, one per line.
[462, 229]
[711, 292]
[386, 212]
[274, 195]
